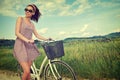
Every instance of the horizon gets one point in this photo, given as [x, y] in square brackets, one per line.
[64, 18]
[72, 37]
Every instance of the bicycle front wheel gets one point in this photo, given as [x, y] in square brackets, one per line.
[59, 70]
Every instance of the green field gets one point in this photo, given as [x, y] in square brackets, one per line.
[93, 60]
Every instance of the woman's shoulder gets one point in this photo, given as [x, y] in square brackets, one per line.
[19, 18]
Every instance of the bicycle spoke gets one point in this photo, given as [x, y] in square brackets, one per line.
[61, 71]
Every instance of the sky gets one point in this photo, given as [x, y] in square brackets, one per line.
[63, 18]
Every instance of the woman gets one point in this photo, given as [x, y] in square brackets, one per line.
[25, 50]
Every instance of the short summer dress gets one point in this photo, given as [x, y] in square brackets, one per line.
[24, 51]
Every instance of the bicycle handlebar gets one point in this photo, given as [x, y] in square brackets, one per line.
[48, 41]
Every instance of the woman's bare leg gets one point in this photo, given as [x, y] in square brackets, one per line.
[29, 63]
[26, 70]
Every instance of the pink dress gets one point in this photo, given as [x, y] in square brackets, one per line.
[23, 51]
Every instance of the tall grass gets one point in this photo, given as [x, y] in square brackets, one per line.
[89, 59]
[6, 59]
[94, 59]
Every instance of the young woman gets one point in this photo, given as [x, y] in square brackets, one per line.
[25, 51]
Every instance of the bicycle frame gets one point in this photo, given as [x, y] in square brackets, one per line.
[37, 72]
[48, 68]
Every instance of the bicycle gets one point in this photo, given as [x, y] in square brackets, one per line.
[52, 67]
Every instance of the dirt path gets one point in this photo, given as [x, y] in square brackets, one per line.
[8, 75]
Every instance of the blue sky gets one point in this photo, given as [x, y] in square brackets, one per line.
[63, 18]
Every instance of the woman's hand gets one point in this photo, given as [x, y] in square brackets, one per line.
[49, 39]
[31, 41]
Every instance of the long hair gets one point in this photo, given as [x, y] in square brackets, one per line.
[37, 14]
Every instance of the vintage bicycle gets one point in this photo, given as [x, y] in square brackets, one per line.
[52, 67]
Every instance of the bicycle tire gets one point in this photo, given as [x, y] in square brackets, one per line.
[65, 71]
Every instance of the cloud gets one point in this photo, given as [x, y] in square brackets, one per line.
[43, 30]
[7, 8]
[84, 28]
[47, 7]
[63, 9]
[116, 30]
[75, 32]
[77, 7]
[13, 8]
[85, 34]
[62, 33]
[112, 3]
[118, 15]
[53, 7]
[10, 13]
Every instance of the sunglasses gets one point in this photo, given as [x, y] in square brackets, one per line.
[29, 10]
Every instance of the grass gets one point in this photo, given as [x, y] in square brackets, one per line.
[8, 75]
[6, 59]
[94, 59]
[90, 59]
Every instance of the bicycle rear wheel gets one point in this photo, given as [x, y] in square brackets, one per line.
[61, 71]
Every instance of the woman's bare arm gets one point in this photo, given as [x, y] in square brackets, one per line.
[17, 30]
[37, 35]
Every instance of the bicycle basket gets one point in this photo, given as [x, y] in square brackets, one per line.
[54, 49]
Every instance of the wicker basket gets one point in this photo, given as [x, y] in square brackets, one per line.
[54, 49]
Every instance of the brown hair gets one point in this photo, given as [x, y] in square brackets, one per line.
[37, 14]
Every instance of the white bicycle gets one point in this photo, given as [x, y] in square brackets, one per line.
[52, 68]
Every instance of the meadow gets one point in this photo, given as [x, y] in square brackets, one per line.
[94, 60]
